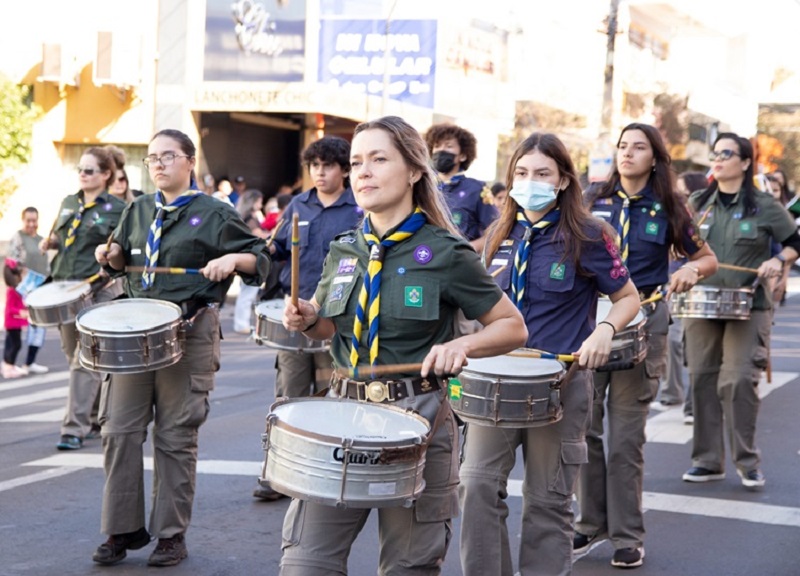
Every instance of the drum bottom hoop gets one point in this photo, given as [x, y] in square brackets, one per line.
[508, 404]
[710, 316]
[129, 359]
[628, 348]
[272, 334]
[306, 469]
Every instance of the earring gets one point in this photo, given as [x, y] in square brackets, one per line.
[654, 167]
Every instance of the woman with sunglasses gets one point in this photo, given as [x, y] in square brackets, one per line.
[640, 201]
[725, 357]
[180, 227]
[419, 271]
[85, 219]
[553, 260]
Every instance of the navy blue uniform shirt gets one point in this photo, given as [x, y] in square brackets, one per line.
[560, 305]
[318, 227]
[648, 248]
[471, 214]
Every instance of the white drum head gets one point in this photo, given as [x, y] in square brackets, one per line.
[272, 309]
[354, 420]
[514, 366]
[130, 315]
[56, 293]
[604, 307]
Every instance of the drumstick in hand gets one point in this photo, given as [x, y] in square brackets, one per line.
[162, 270]
[88, 280]
[295, 257]
[275, 233]
[737, 268]
[531, 353]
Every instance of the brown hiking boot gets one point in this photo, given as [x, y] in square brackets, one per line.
[114, 549]
[169, 551]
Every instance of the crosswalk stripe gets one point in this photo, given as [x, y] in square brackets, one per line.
[36, 477]
[56, 415]
[86, 460]
[60, 392]
[34, 381]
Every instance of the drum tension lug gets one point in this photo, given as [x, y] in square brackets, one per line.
[347, 444]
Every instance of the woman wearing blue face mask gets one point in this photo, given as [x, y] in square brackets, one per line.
[640, 201]
[553, 259]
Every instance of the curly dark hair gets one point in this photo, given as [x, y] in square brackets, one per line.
[329, 149]
[466, 140]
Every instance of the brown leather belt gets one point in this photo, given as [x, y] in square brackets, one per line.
[385, 390]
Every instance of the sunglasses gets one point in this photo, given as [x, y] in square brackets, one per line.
[722, 155]
[87, 171]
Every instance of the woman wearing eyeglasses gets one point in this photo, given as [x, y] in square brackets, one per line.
[725, 357]
[640, 201]
[178, 226]
[85, 219]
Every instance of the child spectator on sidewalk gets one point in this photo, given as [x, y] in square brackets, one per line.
[16, 317]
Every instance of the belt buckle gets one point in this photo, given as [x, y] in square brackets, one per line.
[377, 391]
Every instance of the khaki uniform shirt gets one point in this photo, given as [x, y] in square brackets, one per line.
[742, 240]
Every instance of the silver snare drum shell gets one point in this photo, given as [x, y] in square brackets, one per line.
[713, 302]
[271, 332]
[130, 335]
[57, 303]
[345, 453]
[629, 346]
[508, 392]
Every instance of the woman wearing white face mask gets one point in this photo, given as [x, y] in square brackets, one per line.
[553, 260]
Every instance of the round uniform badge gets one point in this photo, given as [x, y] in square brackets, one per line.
[195, 221]
[107, 206]
[423, 254]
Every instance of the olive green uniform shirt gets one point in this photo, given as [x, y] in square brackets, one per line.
[424, 281]
[191, 236]
[742, 240]
[78, 262]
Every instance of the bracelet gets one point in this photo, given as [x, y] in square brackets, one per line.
[692, 268]
[310, 326]
[610, 324]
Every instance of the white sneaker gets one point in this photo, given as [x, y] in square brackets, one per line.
[22, 369]
[37, 369]
[10, 371]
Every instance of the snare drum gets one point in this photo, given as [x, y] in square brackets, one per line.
[131, 335]
[629, 346]
[58, 303]
[345, 453]
[271, 332]
[508, 392]
[713, 302]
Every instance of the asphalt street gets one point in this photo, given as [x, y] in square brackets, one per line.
[50, 501]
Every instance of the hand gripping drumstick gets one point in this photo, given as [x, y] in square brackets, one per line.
[295, 257]
[93, 277]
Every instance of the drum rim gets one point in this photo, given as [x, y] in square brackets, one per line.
[468, 370]
[86, 291]
[356, 443]
[126, 302]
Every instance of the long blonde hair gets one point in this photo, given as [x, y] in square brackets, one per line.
[412, 148]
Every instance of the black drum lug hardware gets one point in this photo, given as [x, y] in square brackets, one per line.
[347, 445]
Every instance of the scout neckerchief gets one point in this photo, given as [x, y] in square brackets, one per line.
[154, 237]
[369, 300]
[518, 275]
[76, 220]
[624, 224]
[454, 179]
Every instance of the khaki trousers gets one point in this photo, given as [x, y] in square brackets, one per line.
[301, 373]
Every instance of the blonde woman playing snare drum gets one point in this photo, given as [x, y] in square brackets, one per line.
[426, 272]
[553, 260]
[725, 357]
[640, 201]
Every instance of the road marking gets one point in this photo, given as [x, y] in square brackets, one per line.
[56, 415]
[60, 392]
[34, 380]
[37, 477]
[223, 467]
[667, 427]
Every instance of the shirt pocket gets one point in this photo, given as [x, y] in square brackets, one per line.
[555, 277]
[342, 289]
[745, 233]
[412, 297]
[652, 229]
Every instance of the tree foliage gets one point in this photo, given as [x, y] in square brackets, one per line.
[16, 130]
[780, 122]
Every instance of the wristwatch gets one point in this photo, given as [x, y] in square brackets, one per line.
[781, 258]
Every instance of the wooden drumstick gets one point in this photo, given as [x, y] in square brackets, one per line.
[737, 268]
[375, 371]
[275, 233]
[88, 280]
[496, 272]
[162, 270]
[654, 298]
[295, 258]
[532, 353]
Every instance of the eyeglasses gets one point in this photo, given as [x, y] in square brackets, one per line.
[166, 159]
[722, 155]
[122, 179]
[87, 171]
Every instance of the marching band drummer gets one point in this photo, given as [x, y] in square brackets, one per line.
[725, 357]
[178, 226]
[639, 199]
[85, 220]
[420, 272]
[553, 260]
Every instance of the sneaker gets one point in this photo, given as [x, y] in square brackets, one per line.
[699, 474]
[752, 480]
[268, 494]
[9, 371]
[37, 369]
[114, 549]
[583, 543]
[69, 442]
[22, 370]
[628, 557]
[688, 419]
[94, 432]
[169, 551]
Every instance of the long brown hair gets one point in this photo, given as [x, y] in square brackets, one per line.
[412, 148]
[105, 161]
[576, 223]
[662, 180]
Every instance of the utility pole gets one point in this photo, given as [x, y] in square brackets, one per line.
[608, 81]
